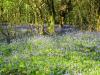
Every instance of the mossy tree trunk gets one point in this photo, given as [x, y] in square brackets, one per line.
[51, 24]
[98, 24]
[51, 16]
[98, 19]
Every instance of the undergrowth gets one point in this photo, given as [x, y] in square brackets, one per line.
[51, 55]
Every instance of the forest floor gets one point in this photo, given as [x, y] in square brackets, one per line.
[74, 53]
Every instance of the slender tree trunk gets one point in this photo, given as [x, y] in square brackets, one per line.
[51, 16]
[63, 11]
[62, 21]
[98, 24]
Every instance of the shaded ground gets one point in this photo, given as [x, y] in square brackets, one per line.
[66, 28]
[25, 31]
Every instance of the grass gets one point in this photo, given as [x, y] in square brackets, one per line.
[51, 55]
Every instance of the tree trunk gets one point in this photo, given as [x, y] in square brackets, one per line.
[98, 24]
[62, 21]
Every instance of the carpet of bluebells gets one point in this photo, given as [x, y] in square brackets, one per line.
[68, 54]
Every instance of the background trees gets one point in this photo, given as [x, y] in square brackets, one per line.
[83, 14]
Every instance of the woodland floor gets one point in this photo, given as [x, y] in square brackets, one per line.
[71, 53]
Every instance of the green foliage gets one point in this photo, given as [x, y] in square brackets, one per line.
[55, 55]
[81, 14]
